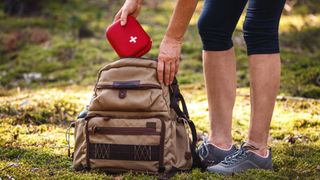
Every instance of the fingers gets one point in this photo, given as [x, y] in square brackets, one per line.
[160, 70]
[129, 8]
[123, 18]
[137, 11]
[172, 71]
[167, 66]
[118, 15]
[166, 71]
[177, 66]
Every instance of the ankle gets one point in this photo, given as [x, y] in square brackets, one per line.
[261, 149]
[264, 153]
[224, 145]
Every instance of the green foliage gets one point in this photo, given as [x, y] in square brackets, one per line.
[301, 74]
[305, 6]
[65, 45]
[305, 40]
[59, 45]
[33, 125]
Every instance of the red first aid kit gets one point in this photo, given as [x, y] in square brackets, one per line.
[129, 40]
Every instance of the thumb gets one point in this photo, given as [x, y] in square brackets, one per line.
[123, 18]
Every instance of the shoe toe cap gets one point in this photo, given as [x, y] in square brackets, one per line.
[219, 169]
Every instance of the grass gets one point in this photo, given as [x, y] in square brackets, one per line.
[33, 125]
[48, 65]
[64, 45]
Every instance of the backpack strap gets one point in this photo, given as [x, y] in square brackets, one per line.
[175, 98]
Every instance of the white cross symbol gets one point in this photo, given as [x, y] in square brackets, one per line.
[133, 39]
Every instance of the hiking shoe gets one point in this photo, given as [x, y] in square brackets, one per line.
[242, 160]
[211, 154]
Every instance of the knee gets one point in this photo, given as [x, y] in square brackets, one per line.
[261, 37]
[213, 36]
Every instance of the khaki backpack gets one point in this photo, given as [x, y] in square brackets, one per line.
[134, 123]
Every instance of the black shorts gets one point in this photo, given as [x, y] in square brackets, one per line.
[220, 17]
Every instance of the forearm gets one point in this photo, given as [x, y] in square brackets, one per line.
[180, 19]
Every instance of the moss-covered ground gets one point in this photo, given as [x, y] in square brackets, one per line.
[49, 60]
[33, 126]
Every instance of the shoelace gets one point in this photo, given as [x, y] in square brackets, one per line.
[234, 158]
[239, 155]
[203, 150]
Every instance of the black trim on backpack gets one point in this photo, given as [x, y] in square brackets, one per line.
[175, 98]
[124, 152]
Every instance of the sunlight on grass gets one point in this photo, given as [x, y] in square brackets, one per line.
[34, 141]
[289, 115]
[34, 113]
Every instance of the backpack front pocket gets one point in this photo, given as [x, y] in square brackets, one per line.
[130, 144]
[129, 96]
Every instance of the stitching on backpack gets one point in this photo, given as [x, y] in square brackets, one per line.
[102, 151]
[142, 152]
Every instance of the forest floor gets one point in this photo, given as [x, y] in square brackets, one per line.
[33, 145]
[48, 64]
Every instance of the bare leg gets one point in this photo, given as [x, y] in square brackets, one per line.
[220, 80]
[265, 81]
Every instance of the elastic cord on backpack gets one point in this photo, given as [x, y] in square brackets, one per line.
[72, 124]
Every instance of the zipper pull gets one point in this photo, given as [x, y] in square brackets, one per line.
[122, 93]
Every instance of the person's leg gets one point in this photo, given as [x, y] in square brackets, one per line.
[261, 35]
[264, 81]
[216, 25]
[220, 80]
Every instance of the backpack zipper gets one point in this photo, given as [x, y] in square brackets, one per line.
[142, 58]
[124, 131]
[140, 86]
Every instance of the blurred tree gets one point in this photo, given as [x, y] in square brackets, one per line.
[153, 4]
[302, 6]
[289, 5]
[22, 7]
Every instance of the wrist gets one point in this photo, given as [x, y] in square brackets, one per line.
[170, 39]
[138, 1]
[135, 1]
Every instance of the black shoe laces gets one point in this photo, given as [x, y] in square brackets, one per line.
[203, 150]
[242, 153]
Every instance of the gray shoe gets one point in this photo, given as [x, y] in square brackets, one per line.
[242, 160]
[211, 155]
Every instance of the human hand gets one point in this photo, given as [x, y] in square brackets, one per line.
[168, 59]
[130, 7]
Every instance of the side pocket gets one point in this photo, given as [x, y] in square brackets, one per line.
[183, 151]
[79, 156]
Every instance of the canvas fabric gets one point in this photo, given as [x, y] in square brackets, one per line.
[134, 123]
